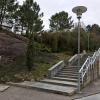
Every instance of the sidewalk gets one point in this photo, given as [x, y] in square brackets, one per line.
[18, 93]
[92, 97]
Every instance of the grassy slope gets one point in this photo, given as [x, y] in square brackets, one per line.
[17, 71]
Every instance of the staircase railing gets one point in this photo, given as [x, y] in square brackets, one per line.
[55, 69]
[89, 70]
[74, 58]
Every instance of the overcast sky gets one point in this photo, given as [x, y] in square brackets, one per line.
[50, 7]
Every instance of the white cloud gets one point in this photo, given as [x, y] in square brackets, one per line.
[21, 1]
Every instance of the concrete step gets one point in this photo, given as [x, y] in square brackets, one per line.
[70, 69]
[65, 79]
[67, 76]
[68, 72]
[59, 82]
[73, 70]
[65, 90]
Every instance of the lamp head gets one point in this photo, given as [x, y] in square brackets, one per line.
[79, 10]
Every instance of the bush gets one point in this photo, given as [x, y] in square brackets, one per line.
[41, 47]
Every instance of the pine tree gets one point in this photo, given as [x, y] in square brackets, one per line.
[30, 17]
[60, 21]
[7, 9]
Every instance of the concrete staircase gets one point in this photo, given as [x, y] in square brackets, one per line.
[64, 82]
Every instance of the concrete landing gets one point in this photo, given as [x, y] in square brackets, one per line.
[65, 90]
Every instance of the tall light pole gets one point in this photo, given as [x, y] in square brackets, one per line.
[88, 41]
[79, 10]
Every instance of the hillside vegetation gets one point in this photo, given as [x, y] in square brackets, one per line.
[13, 59]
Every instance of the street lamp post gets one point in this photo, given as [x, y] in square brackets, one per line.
[79, 26]
[88, 41]
[79, 10]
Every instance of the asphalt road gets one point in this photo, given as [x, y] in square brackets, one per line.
[17, 93]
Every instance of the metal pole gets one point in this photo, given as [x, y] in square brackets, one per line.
[88, 41]
[79, 52]
[79, 41]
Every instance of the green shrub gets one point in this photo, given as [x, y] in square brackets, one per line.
[41, 47]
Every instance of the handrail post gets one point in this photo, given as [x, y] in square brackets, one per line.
[79, 85]
[99, 64]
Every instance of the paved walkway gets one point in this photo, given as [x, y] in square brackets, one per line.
[92, 97]
[17, 93]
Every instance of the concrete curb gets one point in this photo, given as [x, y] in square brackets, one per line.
[3, 87]
[18, 85]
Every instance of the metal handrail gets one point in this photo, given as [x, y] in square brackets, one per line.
[87, 64]
[83, 65]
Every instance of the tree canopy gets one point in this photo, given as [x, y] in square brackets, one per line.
[60, 21]
[7, 9]
[21, 17]
[30, 16]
